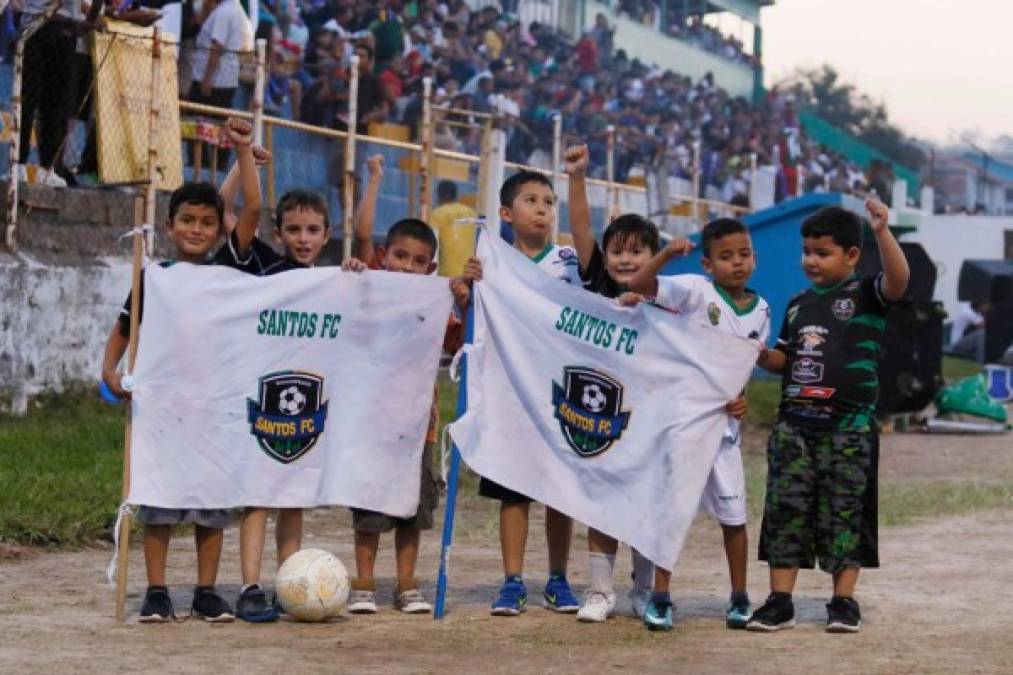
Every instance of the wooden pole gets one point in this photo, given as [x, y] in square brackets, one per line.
[557, 158]
[258, 92]
[696, 182]
[123, 537]
[10, 232]
[151, 193]
[269, 144]
[353, 123]
[426, 159]
[612, 193]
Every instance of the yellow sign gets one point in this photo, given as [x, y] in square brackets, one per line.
[121, 56]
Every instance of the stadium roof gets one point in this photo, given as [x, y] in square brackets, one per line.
[747, 9]
[997, 168]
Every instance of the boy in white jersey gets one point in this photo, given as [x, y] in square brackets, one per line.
[722, 301]
[527, 203]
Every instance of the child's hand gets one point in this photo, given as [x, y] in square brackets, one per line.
[576, 158]
[461, 289]
[472, 270]
[679, 246]
[261, 155]
[239, 132]
[737, 408]
[879, 214]
[115, 383]
[375, 166]
[354, 265]
[630, 299]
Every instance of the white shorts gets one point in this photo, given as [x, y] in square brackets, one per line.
[724, 496]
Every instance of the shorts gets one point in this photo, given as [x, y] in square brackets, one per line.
[821, 494]
[373, 522]
[493, 490]
[724, 496]
[216, 519]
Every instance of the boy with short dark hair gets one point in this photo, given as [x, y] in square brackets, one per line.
[722, 300]
[821, 453]
[194, 226]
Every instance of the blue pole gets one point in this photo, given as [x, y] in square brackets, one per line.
[455, 466]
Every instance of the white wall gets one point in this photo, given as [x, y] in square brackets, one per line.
[949, 240]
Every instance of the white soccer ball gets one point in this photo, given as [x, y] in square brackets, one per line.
[593, 398]
[312, 585]
[291, 401]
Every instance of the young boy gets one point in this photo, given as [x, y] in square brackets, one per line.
[194, 226]
[410, 247]
[723, 301]
[821, 453]
[628, 244]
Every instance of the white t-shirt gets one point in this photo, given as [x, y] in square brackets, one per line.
[697, 297]
[561, 262]
[229, 26]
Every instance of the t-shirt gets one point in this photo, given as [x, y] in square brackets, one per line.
[832, 338]
[703, 301]
[596, 279]
[261, 260]
[446, 215]
[228, 25]
[559, 261]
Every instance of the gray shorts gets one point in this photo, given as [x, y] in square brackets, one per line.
[429, 499]
[217, 519]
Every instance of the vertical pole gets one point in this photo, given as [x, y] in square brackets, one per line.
[258, 92]
[611, 194]
[484, 169]
[135, 310]
[349, 183]
[695, 203]
[10, 238]
[151, 191]
[269, 144]
[557, 158]
[426, 159]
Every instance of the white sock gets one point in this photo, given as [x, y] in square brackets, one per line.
[643, 572]
[602, 566]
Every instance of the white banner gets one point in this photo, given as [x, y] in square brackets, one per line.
[306, 388]
[610, 415]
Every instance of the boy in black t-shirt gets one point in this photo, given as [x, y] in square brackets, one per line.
[821, 455]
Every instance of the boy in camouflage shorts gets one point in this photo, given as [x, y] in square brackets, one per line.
[822, 455]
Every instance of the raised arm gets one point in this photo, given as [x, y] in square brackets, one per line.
[230, 186]
[580, 213]
[365, 215]
[240, 132]
[645, 281]
[895, 268]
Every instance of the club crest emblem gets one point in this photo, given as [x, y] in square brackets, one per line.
[806, 371]
[588, 406]
[289, 414]
[843, 308]
[810, 338]
[714, 313]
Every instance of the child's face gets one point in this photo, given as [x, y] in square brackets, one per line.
[826, 262]
[532, 213]
[731, 260]
[303, 233]
[194, 231]
[407, 254]
[624, 256]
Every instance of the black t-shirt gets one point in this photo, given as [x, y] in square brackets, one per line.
[596, 278]
[261, 260]
[833, 340]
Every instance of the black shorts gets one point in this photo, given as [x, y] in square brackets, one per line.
[493, 490]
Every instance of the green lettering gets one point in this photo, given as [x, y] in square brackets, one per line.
[312, 330]
[561, 321]
[272, 323]
[262, 326]
[571, 322]
[578, 330]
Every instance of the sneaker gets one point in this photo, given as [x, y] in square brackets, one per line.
[49, 177]
[737, 615]
[658, 615]
[157, 606]
[843, 615]
[252, 606]
[210, 606]
[411, 601]
[639, 597]
[597, 607]
[558, 597]
[277, 605]
[513, 598]
[362, 601]
[777, 613]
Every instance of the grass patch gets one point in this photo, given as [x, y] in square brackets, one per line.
[904, 504]
[60, 468]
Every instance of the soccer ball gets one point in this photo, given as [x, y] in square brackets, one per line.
[291, 401]
[312, 585]
[593, 398]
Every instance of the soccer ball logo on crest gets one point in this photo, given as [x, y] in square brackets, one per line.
[291, 401]
[593, 398]
[589, 407]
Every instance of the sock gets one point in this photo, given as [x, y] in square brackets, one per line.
[739, 597]
[643, 572]
[661, 598]
[602, 567]
[514, 577]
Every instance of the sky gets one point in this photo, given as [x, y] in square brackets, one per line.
[943, 67]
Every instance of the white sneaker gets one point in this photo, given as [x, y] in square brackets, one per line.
[362, 602]
[639, 597]
[597, 607]
[44, 177]
[412, 602]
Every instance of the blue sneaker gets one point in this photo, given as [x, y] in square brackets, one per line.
[658, 616]
[738, 613]
[558, 597]
[513, 598]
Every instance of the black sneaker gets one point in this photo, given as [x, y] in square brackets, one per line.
[843, 615]
[157, 606]
[277, 605]
[210, 606]
[252, 606]
[777, 613]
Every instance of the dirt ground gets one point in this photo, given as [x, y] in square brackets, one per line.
[943, 602]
